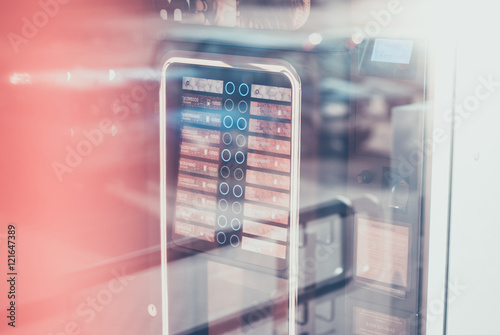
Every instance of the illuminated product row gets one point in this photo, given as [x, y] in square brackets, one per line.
[258, 91]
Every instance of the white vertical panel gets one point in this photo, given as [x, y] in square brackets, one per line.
[441, 90]
[474, 298]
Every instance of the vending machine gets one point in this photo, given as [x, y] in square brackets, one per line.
[229, 167]
[293, 169]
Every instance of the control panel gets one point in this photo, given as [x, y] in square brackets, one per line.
[229, 159]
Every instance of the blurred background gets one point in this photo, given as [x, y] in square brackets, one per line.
[397, 168]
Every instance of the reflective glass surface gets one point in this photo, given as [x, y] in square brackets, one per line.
[214, 167]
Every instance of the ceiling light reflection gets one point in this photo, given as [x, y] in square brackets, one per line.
[20, 79]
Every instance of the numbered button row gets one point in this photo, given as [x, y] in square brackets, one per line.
[228, 139]
[235, 207]
[239, 157]
[243, 89]
[242, 106]
[222, 221]
[224, 189]
[241, 123]
[222, 238]
[225, 172]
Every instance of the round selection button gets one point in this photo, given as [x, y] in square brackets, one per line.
[228, 121]
[242, 106]
[241, 123]
[241, 140]
[234, 240]
[230, 87]
[235, 224]
[236, 206]
[244, 90]
[238, 174]
[225, 172]
[223, 205]
[221, 237]
[226, 155]
[227, 138]
[222, 221]
[239, 157]
[229, 105]
[237, 191]
[224, 188]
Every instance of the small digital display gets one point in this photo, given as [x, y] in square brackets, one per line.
[392, 51]
[229, 153]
